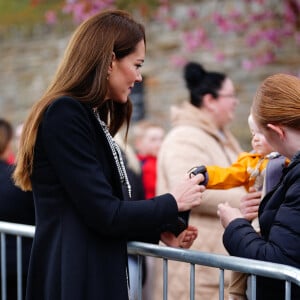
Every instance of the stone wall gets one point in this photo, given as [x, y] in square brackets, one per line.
[27, 66]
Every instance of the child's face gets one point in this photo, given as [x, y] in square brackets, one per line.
[259, 142]
[151, 141]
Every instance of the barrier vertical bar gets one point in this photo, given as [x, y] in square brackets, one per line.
[287, 290]
[192, 281]
[253, 287]
[140, 277]
[221, 284]
[19, 267]
[165, 278]
[3, 265]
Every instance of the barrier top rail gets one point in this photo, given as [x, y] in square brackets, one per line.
[251, 266]
[244, 265]
[17, 229]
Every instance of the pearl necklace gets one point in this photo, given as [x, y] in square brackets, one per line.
[116, 154]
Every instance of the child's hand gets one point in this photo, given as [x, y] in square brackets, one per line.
[184, 240]
[187, 237]
[228, 213]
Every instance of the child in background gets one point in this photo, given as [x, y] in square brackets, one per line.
[148, 137]
[249, 171]
[11, 157]
[134, 172]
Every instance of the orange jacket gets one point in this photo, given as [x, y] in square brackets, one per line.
[247, 171]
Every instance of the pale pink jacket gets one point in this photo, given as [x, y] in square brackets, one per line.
[194, 140]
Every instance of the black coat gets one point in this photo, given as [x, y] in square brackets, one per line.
[82, 222]
[16, 206]
[279, 215]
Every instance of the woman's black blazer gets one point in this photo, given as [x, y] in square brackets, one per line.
[83, 223]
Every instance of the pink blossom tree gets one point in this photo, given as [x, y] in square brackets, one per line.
[263, 26]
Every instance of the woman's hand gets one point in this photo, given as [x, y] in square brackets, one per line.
[250, 204]
[228, 213]
[184, 240]
[188, 193]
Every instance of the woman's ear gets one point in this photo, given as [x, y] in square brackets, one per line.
[112, 62]
[209, 102]
[278, 130]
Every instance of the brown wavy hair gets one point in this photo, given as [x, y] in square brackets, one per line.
[82, 75]
[277, 101]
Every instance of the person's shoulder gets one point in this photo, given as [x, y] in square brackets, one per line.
[64, 101]
[66, 106]
[66, 112]
[274, 155]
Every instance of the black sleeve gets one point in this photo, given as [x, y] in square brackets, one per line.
[68, 140]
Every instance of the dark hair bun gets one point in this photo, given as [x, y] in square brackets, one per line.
[193, 74]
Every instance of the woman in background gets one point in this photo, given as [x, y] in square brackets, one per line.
[199, 136]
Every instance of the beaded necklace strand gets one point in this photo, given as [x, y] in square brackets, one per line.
[116, 154]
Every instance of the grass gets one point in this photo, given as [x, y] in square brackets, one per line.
[26, 12]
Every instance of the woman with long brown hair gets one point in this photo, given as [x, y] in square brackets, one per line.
[69, 159]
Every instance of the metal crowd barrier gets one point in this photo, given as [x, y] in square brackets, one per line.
[19, 230]
[222, 262]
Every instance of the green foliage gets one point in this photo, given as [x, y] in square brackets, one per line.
[26, 12]
[144, 6]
